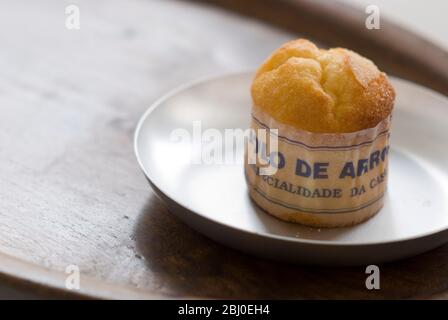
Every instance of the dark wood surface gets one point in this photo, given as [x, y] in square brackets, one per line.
[71, 190]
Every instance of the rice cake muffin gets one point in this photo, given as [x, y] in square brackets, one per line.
[329, 112]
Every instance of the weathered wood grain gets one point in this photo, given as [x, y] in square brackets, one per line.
[71, 191]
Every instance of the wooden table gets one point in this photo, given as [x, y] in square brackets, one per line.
[71, 190]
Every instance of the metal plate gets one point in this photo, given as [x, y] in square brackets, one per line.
[213, 198]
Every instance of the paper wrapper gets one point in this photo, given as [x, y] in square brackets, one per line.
[319, 179]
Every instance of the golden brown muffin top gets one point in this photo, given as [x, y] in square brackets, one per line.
[331, 91]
